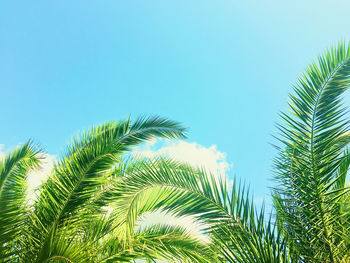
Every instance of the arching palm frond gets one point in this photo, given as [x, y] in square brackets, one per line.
[252, 240]
[65, 245]
[80, 173]
[151, 243]
[14, 168]
[314, 135]
[167, 184]
[163, 242]
[237, 233]
[174, 244]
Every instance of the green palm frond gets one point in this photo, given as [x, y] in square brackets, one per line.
[238, 234]
[314, 135]
[80, 173]
[65, 245]
[155, 242]
[163, 183]
[254, 240]
[174, 243]
[14, 168]
[164, 242]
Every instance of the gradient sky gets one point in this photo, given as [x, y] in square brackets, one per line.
[223, 68]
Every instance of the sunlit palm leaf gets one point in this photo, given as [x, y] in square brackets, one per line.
[182, 190]
[14, 168]
[306, 168]
[79, 175]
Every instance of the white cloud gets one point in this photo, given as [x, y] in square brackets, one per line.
[208, 158]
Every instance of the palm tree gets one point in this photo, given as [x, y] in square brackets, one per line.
[88, 208]
[311, 221]
[237, 232]
[69, 221]
[313, 162]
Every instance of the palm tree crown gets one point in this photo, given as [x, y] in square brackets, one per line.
[88, 208]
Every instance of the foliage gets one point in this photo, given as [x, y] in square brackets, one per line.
[238, 234]
[13, 171]
[312, 166]
[89, 207]
[68, 222]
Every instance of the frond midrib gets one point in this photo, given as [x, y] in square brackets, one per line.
[312, 145]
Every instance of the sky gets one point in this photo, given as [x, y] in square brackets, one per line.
[222, 68]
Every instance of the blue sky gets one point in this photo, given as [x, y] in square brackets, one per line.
[222, 68]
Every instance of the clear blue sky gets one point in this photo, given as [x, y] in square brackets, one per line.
[223, 68]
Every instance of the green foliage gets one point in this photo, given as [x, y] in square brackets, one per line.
[89, 207]
[14, 168]
[238, 234]
[312, 166]
[68, 221]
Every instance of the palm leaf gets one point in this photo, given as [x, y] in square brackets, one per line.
[14, 168]
[314, 135]
[238, 234]
[80, 173]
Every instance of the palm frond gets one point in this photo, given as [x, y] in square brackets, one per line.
[314, 135]
[158, 242]
[236, 231]
[14, 168]
[80, 173]
[167, 184]
[253, 240]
